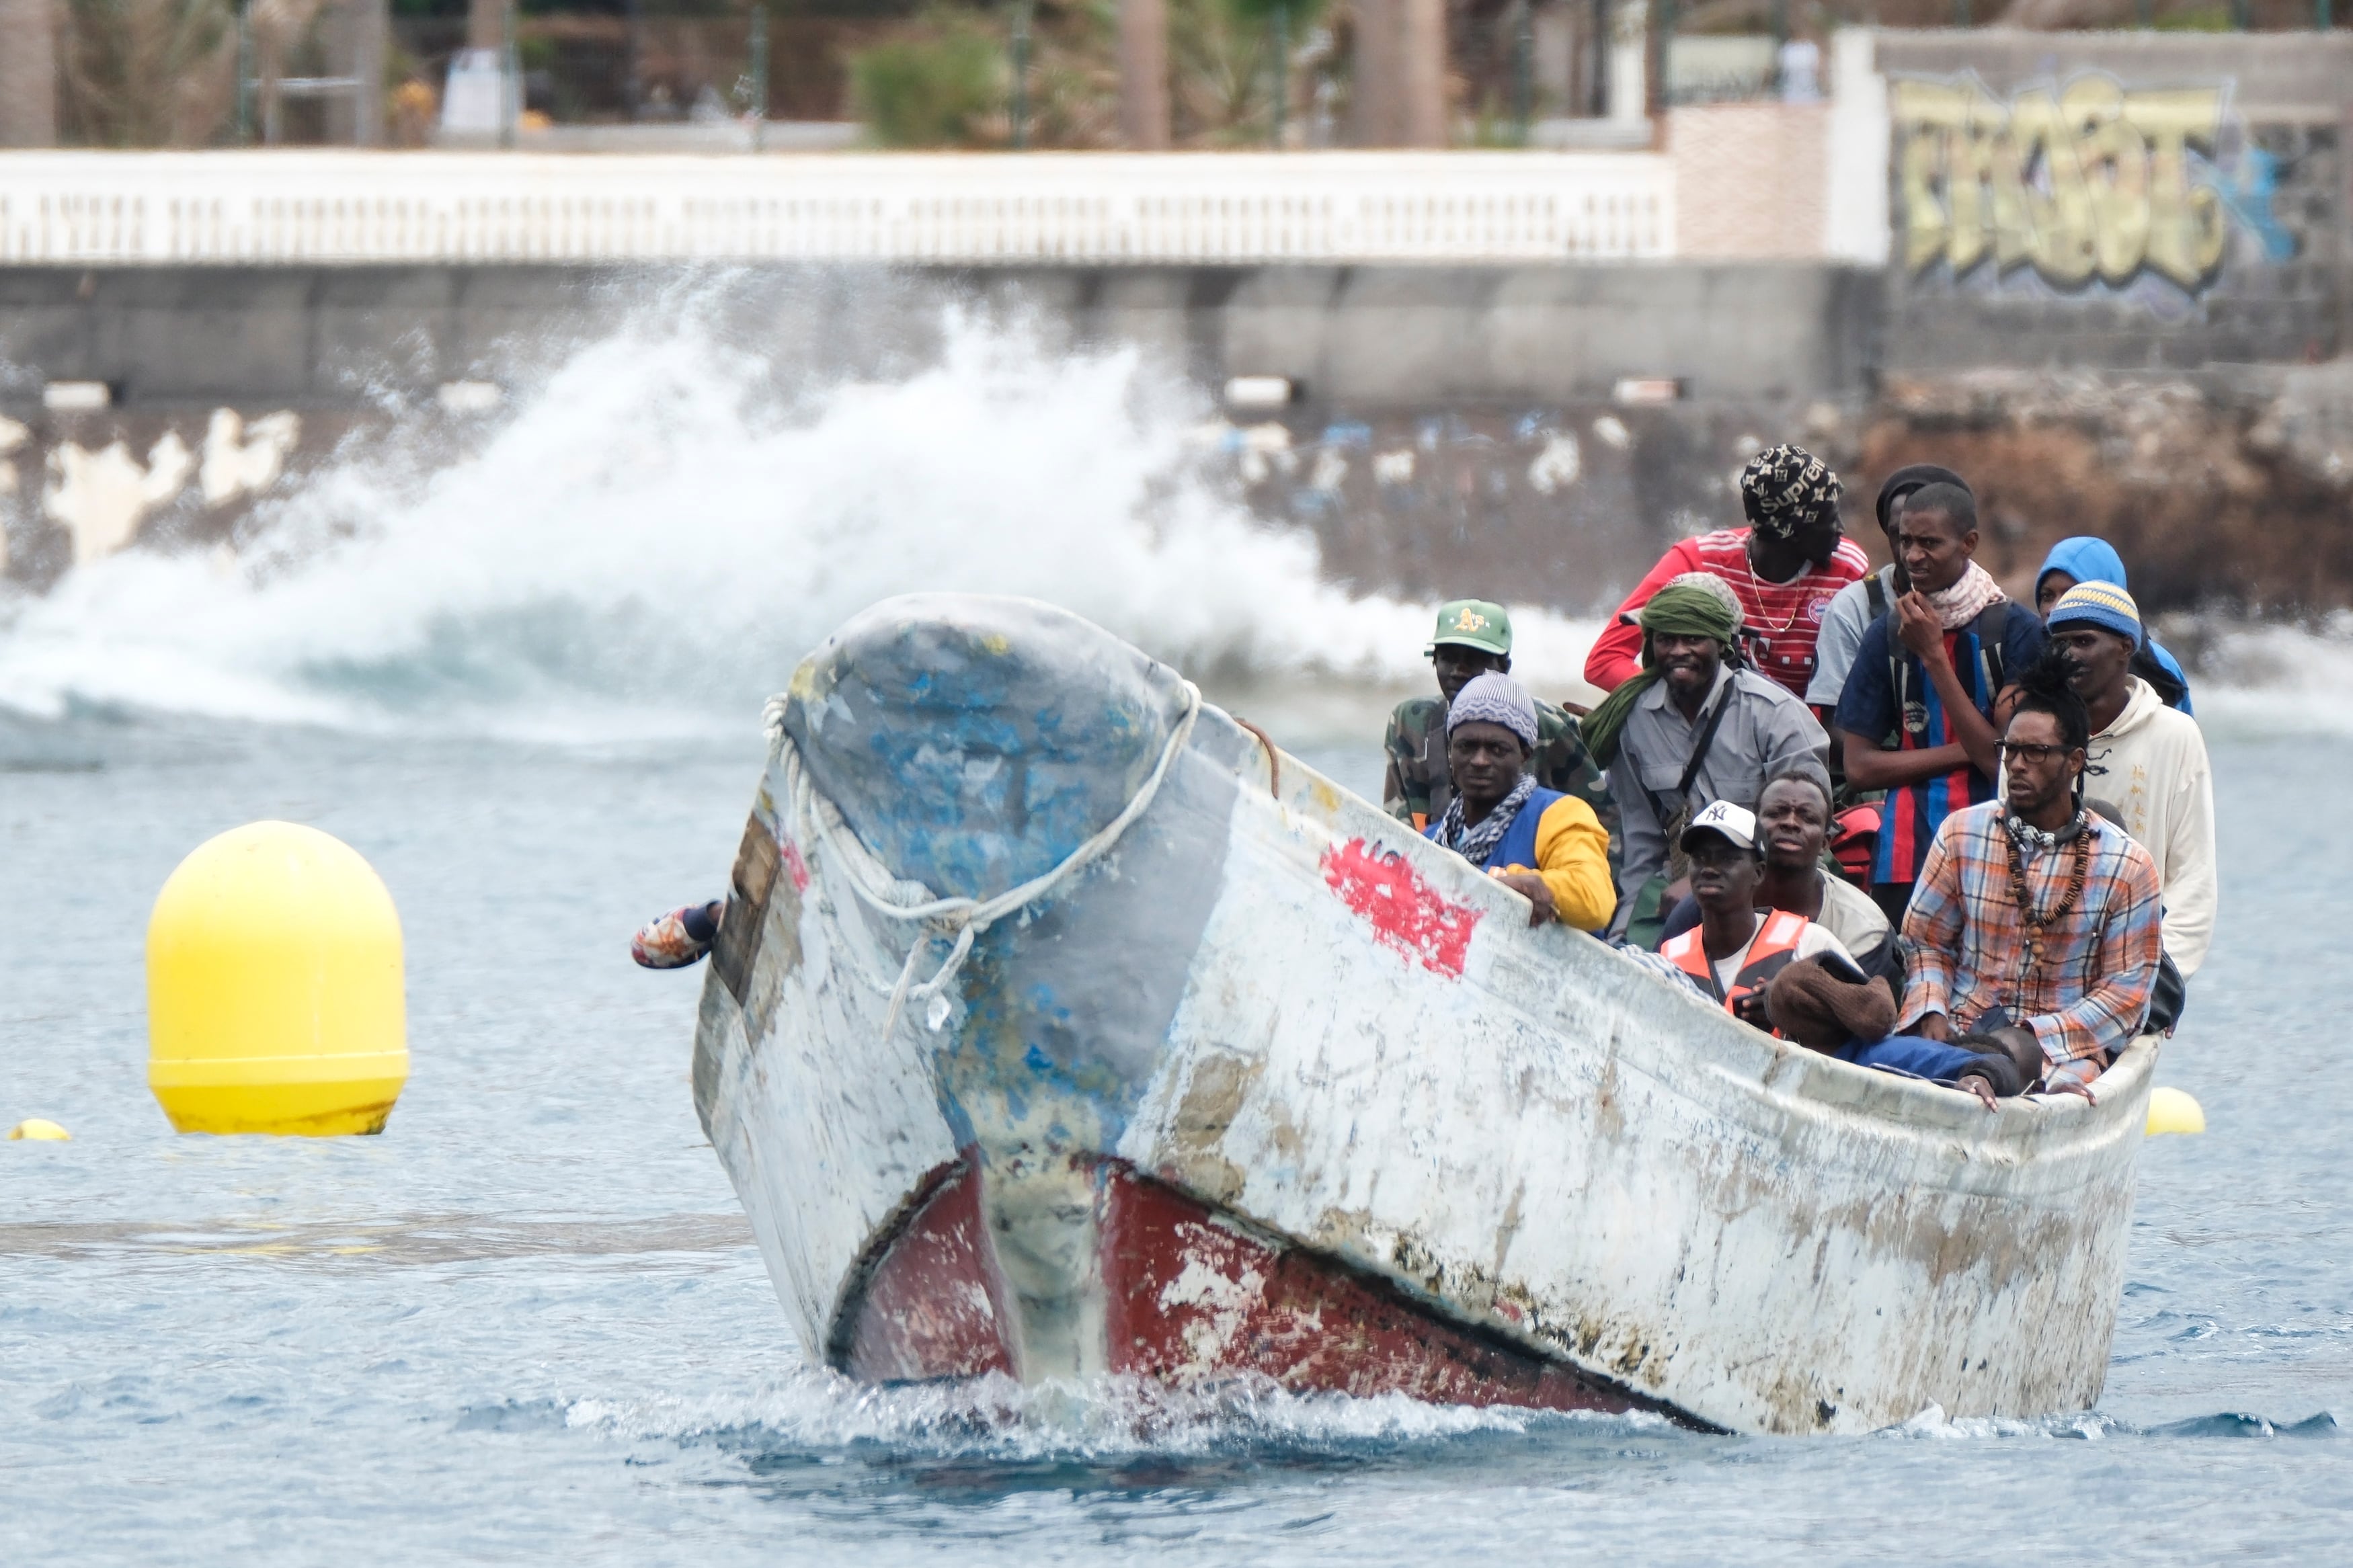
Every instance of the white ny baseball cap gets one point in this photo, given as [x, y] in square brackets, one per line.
[1729, 821]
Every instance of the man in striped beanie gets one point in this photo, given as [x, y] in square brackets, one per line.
[1544, 845]
[2146, 759]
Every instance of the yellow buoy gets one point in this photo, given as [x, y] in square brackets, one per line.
[2172, 1110]
[274, 999]
[41, 1131]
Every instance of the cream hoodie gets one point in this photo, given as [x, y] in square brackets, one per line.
[2151, 765]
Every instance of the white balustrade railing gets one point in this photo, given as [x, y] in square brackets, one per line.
[333, 206]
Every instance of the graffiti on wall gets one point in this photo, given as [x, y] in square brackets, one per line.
[2078, 182]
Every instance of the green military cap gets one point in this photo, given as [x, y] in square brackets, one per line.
[1473, 623]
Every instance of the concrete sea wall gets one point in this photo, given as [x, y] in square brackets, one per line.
[1451, 424]
[2109, 276]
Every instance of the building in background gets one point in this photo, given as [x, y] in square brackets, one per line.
[28, 73]
[1140, 74]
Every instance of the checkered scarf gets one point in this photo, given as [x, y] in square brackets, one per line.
[1784, 488]
[1475, 844]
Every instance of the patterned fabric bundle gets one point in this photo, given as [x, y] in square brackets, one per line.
[1475, 844]
[1709, 582]
[1785, 487]
[1817, 1007]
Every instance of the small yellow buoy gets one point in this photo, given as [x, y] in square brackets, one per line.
[274, 997]
[44, 1132]
[2172, 1110]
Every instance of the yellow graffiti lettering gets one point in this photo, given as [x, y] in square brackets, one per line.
[2087, 181]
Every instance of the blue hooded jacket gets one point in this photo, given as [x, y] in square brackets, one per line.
[2090, 560]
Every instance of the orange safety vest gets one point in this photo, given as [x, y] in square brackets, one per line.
[1770, 953]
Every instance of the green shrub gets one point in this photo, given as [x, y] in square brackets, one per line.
[2197, 19]
[944, 87]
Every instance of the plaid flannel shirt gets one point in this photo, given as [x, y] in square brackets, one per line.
[2090, 993]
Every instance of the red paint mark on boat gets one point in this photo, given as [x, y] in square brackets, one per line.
[1189, 1299]
[797, 867]
[933, 1303]
[1405, 911]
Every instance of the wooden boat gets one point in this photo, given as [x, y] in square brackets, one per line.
[1060, 1027]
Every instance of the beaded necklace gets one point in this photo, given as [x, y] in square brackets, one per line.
[2038, 922]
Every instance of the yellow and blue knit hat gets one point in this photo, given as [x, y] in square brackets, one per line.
[2101, 604]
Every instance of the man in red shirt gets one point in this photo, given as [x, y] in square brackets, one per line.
[1785, 567]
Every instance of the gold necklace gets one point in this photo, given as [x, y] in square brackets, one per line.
[1757, 583]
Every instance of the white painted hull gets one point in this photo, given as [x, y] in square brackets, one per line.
[1551, 1147]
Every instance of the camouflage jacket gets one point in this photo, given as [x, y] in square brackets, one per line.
[1418, 788]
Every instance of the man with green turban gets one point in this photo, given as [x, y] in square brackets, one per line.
[1692, 729]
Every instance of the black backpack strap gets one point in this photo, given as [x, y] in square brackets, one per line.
[1992, 630]
[1699, 755]
[1899, 676]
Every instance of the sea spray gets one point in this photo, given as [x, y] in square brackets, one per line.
[652, 538]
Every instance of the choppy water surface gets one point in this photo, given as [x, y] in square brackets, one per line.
[527, 1322]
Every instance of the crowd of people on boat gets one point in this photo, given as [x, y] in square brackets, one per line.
[1894, 815]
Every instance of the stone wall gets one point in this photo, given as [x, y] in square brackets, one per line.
[1368, 337]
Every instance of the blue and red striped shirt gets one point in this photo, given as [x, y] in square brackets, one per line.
[1869, 707]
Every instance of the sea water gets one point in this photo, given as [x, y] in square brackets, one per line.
[527, 1322]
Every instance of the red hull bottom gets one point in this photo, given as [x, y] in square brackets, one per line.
[1189, 1298]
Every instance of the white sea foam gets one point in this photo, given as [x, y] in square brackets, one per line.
[651, 539]
[2273, 681]
[650, 543]
[1100, 1418]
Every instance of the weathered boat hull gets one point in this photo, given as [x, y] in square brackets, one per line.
[1188, 1293]
[1275, 1087]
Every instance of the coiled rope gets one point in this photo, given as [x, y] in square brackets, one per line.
[817, 819]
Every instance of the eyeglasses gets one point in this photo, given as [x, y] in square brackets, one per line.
[2038, 755]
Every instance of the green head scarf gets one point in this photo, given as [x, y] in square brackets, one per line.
[1679, 610]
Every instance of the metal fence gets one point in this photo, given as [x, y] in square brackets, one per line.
[355, 207]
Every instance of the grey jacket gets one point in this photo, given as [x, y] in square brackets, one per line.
[1765, 732]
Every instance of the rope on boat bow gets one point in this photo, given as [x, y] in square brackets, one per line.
[898, 899]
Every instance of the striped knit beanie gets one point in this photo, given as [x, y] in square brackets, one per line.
[2102, 604]
[1495, 697]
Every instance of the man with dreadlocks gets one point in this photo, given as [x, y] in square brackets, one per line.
[2032, 912]
[1547, 846]
[1692, 729]
[1783, 569]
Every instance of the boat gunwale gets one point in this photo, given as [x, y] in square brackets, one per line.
[1771, 1072]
